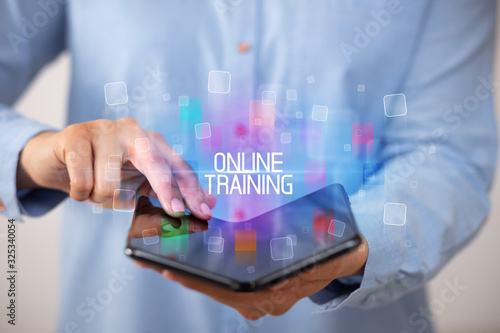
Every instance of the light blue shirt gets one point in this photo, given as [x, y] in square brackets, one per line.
[432, 166]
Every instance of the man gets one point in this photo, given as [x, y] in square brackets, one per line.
[417, 166]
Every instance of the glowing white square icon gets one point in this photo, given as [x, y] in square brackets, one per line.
[281, 248]
[336, 228]
[286, 137]
[291, 95]
[211, 232]
[361, 88]
[293, 238]
[311, 79]
[178, 149]
[219, 82]
[347, 147]
[166, 97]
[97, 209]
[395, 214]
[251, 269]
[150, 236]
[116, 93]
[183, 100]
[319, 113]
[203, 131]
[215, 244]
[269, 97]
[114, 161]
[299, 115]
[124, 200]
[395, 105]
[112, 174]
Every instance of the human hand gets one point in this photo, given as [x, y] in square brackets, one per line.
[278, 299]
[91, 160]
[150, 221]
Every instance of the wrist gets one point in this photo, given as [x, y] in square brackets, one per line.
[25, 163]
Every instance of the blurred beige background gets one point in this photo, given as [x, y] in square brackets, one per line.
[477, 267]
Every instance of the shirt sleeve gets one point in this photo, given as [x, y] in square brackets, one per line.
[438, 164]
[34, 35]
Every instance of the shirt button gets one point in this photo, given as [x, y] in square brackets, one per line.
[243, 47]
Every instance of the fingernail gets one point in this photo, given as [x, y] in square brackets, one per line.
[177, 206]
[205, 209]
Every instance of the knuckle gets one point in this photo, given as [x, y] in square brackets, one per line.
[81, 186]
[180, 176]
[74, 130]
[174, 189]
[155, 136]
[105, 125]
[128, 122]
[84, 149]
[187, 177]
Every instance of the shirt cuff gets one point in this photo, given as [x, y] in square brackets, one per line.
[382, 265]
[336, 289]
[38, 202]
[15, 131]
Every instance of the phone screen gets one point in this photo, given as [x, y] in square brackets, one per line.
[251, 254]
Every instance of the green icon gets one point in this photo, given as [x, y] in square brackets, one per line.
[173, 227]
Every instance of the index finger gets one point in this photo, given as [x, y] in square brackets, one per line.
[149, 156]
[187, 181]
